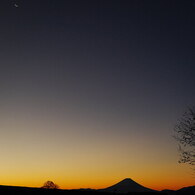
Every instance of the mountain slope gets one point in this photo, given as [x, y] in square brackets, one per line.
[127, 185]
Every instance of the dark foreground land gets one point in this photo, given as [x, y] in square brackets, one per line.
[9, 190]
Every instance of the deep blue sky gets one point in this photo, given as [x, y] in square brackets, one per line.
[118, 67]
[118, 57]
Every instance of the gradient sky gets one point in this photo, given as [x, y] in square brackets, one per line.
[90, 91]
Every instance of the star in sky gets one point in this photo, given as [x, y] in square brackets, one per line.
[16, 5]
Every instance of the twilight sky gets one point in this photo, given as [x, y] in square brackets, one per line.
[90, 91]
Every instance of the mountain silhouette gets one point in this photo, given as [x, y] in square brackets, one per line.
[127, 185]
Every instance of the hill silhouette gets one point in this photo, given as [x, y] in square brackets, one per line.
[186, 190]
[13, 190]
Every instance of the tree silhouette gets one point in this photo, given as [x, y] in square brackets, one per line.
[50, 185]
[185, 135]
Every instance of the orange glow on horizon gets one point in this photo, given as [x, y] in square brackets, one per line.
[155, 183]
[87, 160]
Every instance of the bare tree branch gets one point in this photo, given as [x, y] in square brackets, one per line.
[185, 135]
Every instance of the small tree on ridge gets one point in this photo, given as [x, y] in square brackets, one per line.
[50, 185]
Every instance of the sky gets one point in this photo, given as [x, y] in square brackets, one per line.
[90, 91]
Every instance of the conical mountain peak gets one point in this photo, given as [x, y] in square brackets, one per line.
[127, 185]
[127, 180]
